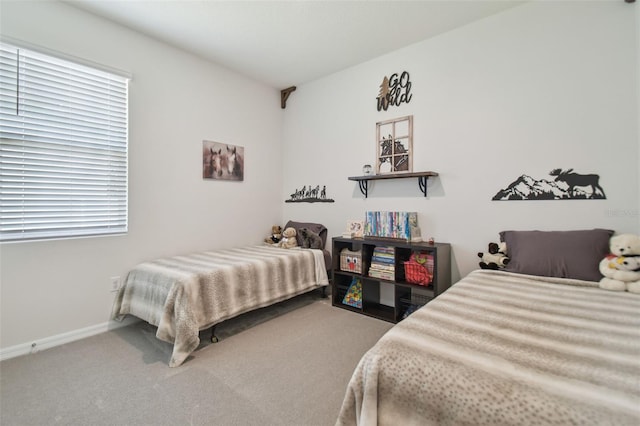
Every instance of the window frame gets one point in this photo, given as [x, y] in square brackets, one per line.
[64, 148]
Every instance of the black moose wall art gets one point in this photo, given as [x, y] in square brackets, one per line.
[310, 194]
[566, 185]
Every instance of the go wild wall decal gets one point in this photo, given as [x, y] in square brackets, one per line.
[394, 90]
[567, 185]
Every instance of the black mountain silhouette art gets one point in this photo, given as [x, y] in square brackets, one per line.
[567, 185]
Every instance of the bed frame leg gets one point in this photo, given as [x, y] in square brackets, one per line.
[214, 338]
[324, 292]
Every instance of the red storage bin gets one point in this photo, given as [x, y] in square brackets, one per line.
[418, 269]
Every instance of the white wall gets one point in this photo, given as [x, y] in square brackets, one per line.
[541, 86]
[176, 101]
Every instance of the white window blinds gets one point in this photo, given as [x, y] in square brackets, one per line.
[63, 148]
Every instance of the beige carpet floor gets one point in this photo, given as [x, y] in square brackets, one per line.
[288, 364]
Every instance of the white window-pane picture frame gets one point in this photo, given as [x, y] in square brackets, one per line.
[394, 146]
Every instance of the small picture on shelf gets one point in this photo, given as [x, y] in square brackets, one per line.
[355, 228]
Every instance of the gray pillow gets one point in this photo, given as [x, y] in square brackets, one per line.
[562, 254]
[315, 227]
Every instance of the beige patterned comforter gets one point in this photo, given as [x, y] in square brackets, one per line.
[185, 294]
[505, 349]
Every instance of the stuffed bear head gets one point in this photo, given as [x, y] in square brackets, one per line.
[495, 258]
[276, 235]
[621, 268]
[310, 239]
[288, 238]
[289, 233]
[625, 245]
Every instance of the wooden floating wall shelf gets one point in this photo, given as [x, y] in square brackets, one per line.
[363, 181]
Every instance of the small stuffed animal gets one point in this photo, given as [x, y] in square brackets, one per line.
[288, 238]
[621, 268]
[310, 239]
[625, 245]
[496, 258]
[276, 235]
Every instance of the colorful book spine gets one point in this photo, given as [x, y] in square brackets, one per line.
[390, 224]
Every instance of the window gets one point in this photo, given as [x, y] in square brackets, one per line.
[63, 148]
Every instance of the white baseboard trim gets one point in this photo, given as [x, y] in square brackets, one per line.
[60, 339]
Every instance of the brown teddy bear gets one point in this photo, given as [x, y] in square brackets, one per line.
[288, 238]
[276, 235]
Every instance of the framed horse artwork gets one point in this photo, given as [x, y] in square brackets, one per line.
[222, 161]
[394, 141]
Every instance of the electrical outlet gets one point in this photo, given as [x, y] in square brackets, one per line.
[115, 283]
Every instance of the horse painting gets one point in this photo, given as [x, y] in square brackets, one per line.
[222, 161]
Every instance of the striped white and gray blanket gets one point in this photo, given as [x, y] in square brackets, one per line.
[185, 294]
[499, 348]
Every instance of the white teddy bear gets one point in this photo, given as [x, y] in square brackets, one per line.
[621, 269]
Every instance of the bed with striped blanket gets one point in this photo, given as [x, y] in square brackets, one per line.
[501, 348]
[185, 294]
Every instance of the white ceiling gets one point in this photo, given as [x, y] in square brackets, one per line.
[287, 43]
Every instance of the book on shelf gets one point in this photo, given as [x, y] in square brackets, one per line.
[381, 259]
[396, 225]
[383, 263]
[383, 250]
[385, 275]
[383, 266]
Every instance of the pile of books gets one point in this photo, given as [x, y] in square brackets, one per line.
[397, 225]
[383, 263]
